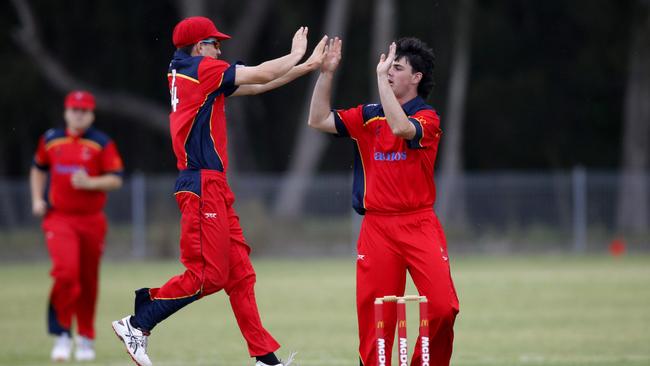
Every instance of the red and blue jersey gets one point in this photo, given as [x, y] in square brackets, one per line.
[391, 174]
[198, 87]
[61, 154]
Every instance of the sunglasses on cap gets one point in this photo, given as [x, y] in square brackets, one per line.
[213, 41]
[80, 110]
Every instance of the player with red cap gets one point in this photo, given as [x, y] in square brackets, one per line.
[73, 169]
[396, 143]
[213, 248]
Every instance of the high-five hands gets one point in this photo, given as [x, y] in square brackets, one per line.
[299, 42]
[385, 62]
[332, 55]
[317, 56]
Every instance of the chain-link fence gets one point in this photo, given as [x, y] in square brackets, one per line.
[494, 212]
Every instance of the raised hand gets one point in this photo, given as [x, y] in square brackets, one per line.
[299, 42]
[385, 62]
[332, 55]
[317, 56]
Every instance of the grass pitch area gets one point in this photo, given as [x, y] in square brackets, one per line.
[514, 311]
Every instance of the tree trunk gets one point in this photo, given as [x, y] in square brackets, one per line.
[310, 144]
[633, 194]
[451, 197]
[245, 33]
[189, 8]
[136, 108]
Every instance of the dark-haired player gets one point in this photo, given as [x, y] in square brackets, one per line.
[395, 152]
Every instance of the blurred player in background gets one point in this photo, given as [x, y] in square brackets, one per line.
[396, 145]
[73, 169]
[213, 248]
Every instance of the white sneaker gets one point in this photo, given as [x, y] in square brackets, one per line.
[85, 349]
[290, 360]
[134, 340]
[62, 348]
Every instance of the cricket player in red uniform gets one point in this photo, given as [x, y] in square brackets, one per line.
[213, 248]
[395, 151]
[73, 169]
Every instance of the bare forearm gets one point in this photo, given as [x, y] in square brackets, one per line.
[320, 107]
[295, 72]
[106, 182]
[266, 71]
[395, 116]
[37, 181]
[281, 65]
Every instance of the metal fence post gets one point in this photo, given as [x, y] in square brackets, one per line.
[579, 182]
[138, 215]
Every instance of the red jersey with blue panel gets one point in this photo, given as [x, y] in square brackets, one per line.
[391, 174]
[394, 188]
[75, 226]
[61, 154]
[198, 87]
[213, 248]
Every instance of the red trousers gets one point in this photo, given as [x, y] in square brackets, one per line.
[216, 256]
[388, 247]
[75, 243]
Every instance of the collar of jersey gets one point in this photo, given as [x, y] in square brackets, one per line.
[414, 105]
[82, 135]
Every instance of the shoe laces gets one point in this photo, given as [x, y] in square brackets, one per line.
[134, 341]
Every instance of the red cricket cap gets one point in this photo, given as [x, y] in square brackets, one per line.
[195, 29]
[80, 99]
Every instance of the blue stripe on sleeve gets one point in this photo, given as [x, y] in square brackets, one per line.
[414, 143]
[341, 130]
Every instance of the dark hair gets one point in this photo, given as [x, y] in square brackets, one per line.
[421, 59]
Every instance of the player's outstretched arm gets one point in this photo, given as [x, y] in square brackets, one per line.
[313, 63]
[320, 109]
[37, 182]
[273, 69]
[395, 116]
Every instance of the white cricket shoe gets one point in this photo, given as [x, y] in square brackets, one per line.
[134, 340]
[290, 360]
[84, 349]
[62, 348]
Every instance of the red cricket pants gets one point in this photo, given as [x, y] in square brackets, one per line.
[216, 256]
[75, 243]
[388, 247]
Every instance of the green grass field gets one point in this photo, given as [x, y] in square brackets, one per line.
[514, 311]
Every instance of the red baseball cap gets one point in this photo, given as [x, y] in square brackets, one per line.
[80, 99]
[195, 29]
